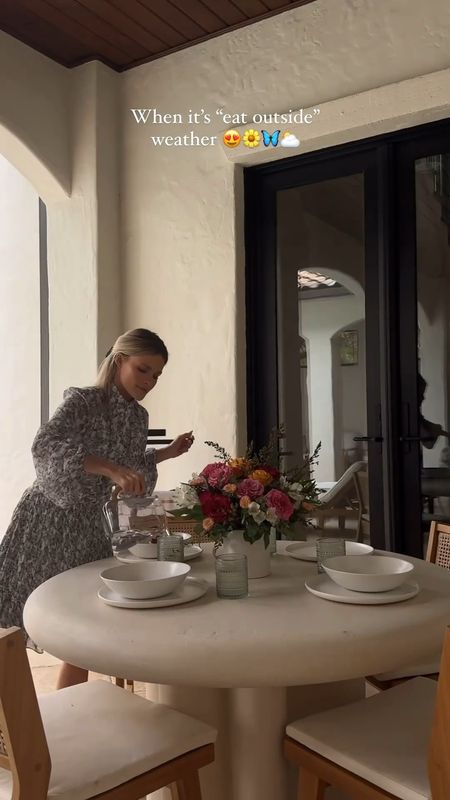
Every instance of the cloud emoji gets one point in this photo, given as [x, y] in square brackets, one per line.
[290, 141]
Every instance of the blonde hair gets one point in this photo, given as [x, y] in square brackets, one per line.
[131, 343]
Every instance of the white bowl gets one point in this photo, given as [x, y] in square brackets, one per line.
[150, 549]
[357, 549]
[362, 574]
[143, 579]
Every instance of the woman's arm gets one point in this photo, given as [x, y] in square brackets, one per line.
[176, 448]
[130, 481]
[66, 472]
[59, 452]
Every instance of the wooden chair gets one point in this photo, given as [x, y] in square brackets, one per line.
[438, 552]
[124, 683]
[174, 525]
[91, 740]
[377, 749]
[181, 525]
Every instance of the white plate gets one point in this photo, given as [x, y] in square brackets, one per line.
[191, 589]
[306, 551]
[190, 552]
[323, 586]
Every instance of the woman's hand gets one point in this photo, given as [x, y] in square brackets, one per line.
[180, 445]
[130, 481]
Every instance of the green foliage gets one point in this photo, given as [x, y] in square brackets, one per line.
[221, 452]
[270, 453]
[302, 473]
[296, 484]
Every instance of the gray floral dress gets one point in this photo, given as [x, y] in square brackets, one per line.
[57, 524]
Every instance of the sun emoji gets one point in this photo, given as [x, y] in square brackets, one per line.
[251, 138]
[286, 133]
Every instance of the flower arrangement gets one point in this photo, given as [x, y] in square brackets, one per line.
[248, 493]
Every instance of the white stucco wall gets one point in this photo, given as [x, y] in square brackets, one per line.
[60, 134]
[84, 237]
[175, 246]
[19, 334]
[61, 129]
[182, 207]
[35, 119]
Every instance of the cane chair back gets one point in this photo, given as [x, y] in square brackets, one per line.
[438, 551]
[177, 525]
[174, 525]
[141, 523]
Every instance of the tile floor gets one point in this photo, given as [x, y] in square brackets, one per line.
[45, 667]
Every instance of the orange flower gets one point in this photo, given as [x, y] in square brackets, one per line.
[208, 523]
[262, 476]
[308, 506]
[240, 466]
[230, 488]
[245, 501]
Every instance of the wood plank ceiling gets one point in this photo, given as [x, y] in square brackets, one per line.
[126, 33]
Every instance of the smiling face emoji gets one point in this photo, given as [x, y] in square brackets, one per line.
[231, 138]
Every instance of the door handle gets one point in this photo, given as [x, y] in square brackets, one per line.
[367, 438]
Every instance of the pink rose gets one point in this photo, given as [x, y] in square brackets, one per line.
[217, 475]
[250, 488]
[280, 502]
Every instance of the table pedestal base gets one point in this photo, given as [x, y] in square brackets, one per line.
[249, 761]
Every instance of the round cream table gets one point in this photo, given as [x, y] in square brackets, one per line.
[246, 666]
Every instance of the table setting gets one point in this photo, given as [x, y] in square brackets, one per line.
[141, 540]
[247, 665]
[149, 582]
[245, 644]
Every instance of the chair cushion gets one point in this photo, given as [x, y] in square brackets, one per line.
[428, 668]
[383, 739]
[100, 736]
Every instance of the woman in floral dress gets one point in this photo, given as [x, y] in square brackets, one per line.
[96, 438]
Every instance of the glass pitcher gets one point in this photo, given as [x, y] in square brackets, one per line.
[134, 522]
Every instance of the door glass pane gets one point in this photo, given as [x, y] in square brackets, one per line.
[321, 329]
[432, 180]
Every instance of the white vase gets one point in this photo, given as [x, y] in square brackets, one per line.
[258, 555]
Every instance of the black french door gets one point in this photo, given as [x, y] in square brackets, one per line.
[422, 178]
[332, 316]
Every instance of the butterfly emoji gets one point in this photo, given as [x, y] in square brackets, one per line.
[269, 139]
